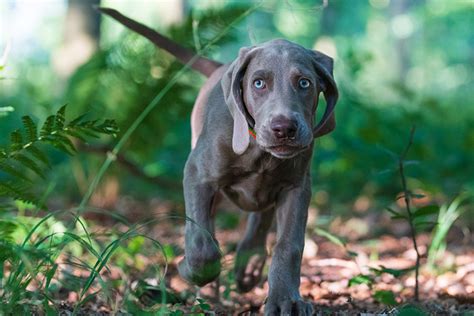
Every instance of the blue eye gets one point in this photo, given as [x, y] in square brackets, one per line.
[259, 84]
[304, 83]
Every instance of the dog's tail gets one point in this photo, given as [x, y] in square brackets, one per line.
[201, 64]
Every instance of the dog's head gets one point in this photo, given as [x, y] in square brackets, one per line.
[274, 88]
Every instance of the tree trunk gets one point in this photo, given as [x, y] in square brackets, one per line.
[80, 38]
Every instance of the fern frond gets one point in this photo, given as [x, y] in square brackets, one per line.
[16, 140]
[88, 131]
[60, 118]
[18, 191]
[61, 142]
[77, 134]
[30, 164]
[38, 154]
[30, 127]
[108, 127]
[48, 126]
[20, 160]
[77, 120]
[12, 171]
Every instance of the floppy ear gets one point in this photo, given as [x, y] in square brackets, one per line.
[324, 69]
[232, 87]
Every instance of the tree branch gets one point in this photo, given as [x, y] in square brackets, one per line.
[131, 166]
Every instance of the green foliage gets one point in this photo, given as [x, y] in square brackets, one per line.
[201, 307]
[397, 273]
[385, 297]
[25, 157]
[39, 253]
[411, 310]
[361, 279]
[448, 214]
[331, 237]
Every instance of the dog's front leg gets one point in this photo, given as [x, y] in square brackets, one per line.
[284, 276]
[201, 263]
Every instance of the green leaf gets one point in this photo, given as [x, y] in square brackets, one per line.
[352, 254]
[16, 140]
[18, 191]
[108, 127]
[30, 127]
[391, 210]
[361, 279]
[427, 210]
[38, 154]
[332, 238]
[385, 297]
[60, 118]
[50, 274]
[395, 272]
[7, 228]
[410, 310]
[48, 126]
[77, 120]
[205, 307]
[87, 131]
[61, 143]
[424, 224]
[398, 217]
[395, 214]
[30, 164]
[77, 135]
[14, 172]
[169, 252]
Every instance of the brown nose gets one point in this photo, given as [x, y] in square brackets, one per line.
[283, 127]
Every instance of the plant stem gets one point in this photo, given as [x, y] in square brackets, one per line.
[407, 196]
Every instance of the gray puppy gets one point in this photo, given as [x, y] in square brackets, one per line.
[252, 141]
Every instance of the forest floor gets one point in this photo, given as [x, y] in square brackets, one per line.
[445, 289]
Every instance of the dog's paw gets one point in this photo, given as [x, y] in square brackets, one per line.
[199, 273]
[288, 307]
[248, 268]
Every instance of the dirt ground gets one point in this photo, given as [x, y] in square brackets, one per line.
[446, 289]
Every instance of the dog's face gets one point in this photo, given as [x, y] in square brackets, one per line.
[274, 88]
[280, 90]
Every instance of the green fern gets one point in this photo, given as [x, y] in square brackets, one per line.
[25, 159]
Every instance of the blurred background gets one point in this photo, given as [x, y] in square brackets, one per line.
[397, 63]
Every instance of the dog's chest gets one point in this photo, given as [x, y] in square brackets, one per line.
[255, 190]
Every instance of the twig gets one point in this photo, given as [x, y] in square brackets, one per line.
[131, 167]
[407, 196]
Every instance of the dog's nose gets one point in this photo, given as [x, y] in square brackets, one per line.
[283, 127]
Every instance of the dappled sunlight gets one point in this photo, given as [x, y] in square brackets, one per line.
[95, 125]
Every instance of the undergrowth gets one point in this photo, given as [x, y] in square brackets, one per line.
[45, 252]
[432, 217]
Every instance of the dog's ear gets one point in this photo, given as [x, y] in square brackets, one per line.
[232, 87]
[324, 68]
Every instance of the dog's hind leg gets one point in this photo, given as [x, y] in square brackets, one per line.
[251, 252]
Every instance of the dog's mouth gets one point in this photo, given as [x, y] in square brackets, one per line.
[284, 151]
